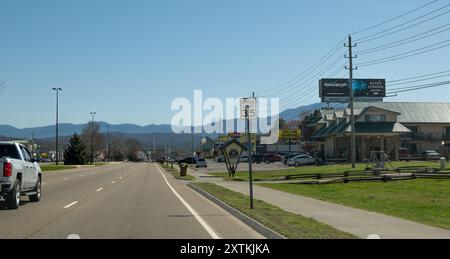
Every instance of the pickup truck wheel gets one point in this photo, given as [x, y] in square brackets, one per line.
[13, 199]
[37, 197]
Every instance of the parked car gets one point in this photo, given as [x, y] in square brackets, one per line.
[271, 158]
[431, 155]
[21, 175]
[301, 160]
[258, 159]
[289, 156]
[220, 159]
[201, 162]
[244, 158]
[188, 160]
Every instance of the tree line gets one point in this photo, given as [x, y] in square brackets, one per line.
[93, 145]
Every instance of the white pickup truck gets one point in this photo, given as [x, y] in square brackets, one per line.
[20, 175]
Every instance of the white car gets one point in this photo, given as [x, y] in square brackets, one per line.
[301, 160]
[201, 162]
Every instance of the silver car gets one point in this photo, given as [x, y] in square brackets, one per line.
[301, 160]
[201, 162]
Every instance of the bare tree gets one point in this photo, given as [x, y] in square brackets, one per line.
[94, 140]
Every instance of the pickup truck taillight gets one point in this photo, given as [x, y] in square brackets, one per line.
[7, 169]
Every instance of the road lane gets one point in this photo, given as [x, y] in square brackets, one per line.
[139, 205]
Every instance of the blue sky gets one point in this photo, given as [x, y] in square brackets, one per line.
[127, 60]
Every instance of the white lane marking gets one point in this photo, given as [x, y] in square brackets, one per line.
[100, 189]
[374, 236]
[73, 236]
[65, 179]
[70, 205]
[202, 222]
[121, 177]
[113, 182]
[82, 175]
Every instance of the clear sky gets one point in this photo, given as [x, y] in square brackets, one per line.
[128, 59]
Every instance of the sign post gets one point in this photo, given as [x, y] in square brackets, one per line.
[248, 112]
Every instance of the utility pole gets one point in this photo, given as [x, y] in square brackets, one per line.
[92, 137]
[57, 123]
[107, 146]
[250, 155]
[352, 111]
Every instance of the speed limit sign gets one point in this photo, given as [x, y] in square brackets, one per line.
[248, 108]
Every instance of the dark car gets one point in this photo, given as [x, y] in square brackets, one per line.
[188, 160]
[258, 159]
[271, 158]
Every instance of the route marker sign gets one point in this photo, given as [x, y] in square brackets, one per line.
[248, 109]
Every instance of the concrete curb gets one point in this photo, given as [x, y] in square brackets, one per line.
[255, 225]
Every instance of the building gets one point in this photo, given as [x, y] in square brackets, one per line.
[381, 126]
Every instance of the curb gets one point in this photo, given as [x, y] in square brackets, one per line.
[255, 225]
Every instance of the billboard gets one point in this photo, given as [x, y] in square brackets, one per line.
[337, 90]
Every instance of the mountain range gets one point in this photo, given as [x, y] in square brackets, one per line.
[67, 129]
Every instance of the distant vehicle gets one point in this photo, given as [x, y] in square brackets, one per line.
[431, 155]
[220, 159]
[244, 158]
[289, 156]
[21, 175]
[258, 159]
[301, 160]
[201, 162]
[188, 160]
[271, 158]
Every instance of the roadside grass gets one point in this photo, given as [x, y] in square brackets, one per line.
[326, 169]
[49, 168]
[423, 201]
[176, 173]
[288, 224]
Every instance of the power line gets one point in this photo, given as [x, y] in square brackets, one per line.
[302, 75]
[404, 41]
[417, 87]
[387, 32]
[419, 80]
[405, 54]
[395, 18]
[416, 77]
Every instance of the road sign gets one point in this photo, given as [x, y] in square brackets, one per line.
[232, 151]
[290, 134]
[248, 109]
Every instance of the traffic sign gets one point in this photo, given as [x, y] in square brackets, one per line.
[248, 109]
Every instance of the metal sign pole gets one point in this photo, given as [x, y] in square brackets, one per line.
[250, 159]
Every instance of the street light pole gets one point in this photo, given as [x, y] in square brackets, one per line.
[92, 137]
[57, 123]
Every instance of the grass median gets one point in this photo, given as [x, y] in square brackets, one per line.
[50, 168]
[290, 225]
[326, 169]
[423, 201]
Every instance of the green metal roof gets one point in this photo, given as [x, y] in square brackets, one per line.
[377, 127]
[412, 112]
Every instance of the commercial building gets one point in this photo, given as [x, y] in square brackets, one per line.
[383, 126]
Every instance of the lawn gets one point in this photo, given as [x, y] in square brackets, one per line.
[53, 167]
[424, 201]
[327, 169]
[290, 225]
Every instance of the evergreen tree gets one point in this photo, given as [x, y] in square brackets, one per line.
[75, 153]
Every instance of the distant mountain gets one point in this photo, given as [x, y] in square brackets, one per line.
[302, 111]
[67, 129]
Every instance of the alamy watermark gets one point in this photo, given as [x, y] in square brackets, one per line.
[218, 116]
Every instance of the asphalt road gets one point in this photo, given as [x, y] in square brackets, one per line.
[130, 201]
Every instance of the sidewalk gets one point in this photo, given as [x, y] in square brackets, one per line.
[358, 222]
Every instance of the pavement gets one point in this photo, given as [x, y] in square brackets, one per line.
[358, 222]
[130, 201]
